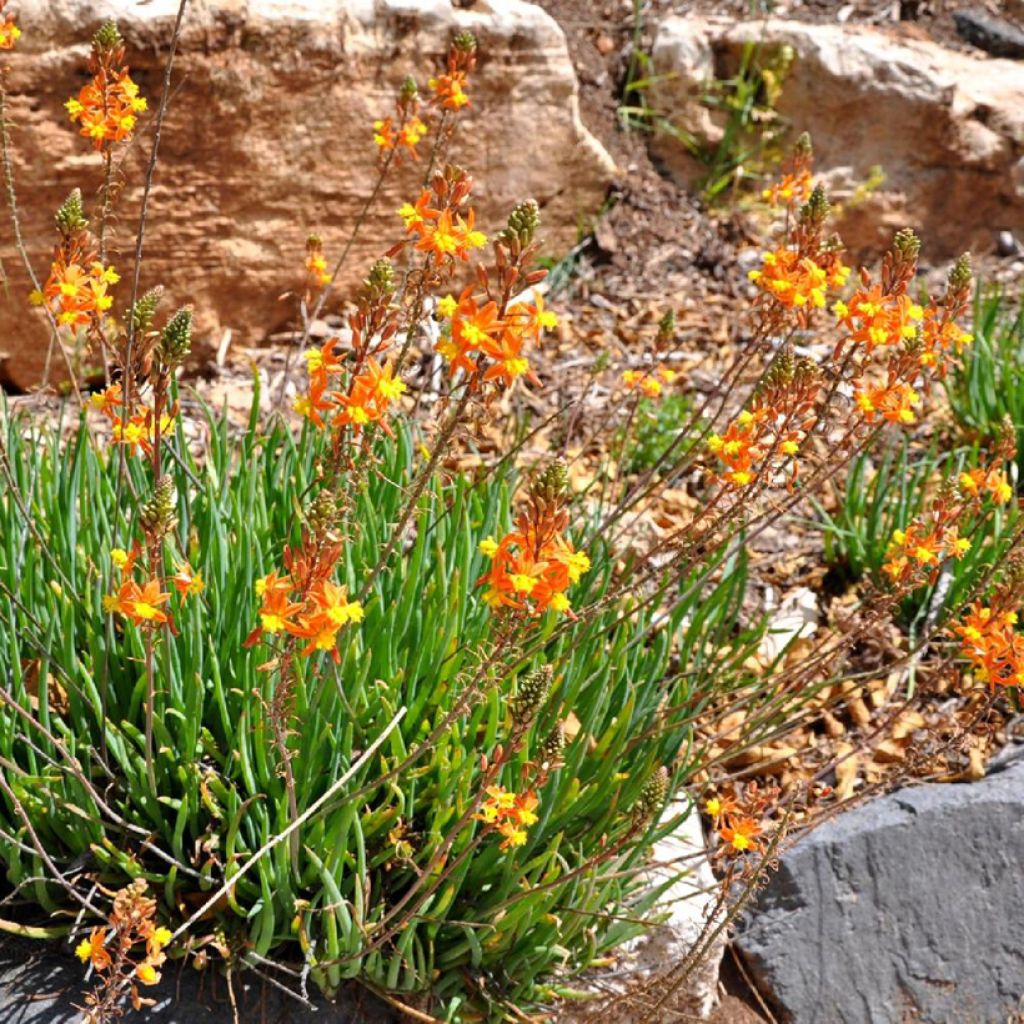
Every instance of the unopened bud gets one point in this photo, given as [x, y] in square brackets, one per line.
[803, 144]
[157, 514]
[816, 210]
[381, 279]
[176, 338]
[323, 512]
[906, 245]
[961, 275]
[550, 486]
[465, 42]
[409, 88]
[523, 222]
[145, 309]
[552, 747]
[108, 37]
[533, 689]
[652, 796]
[71, 216]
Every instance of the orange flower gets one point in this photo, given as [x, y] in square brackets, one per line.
[992, 645]
[9, 34]
[741, 835]
[107, 106]
[93, 950]
[186, 581]
[450, 90]
[316, 262]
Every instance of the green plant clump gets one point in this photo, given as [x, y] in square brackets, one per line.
[388, 880]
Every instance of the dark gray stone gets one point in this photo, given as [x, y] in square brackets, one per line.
[994, 35]
[906, 909]
[44, 988]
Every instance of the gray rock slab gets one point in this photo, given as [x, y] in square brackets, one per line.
[995, 35]
[906, 909]
[46, 988]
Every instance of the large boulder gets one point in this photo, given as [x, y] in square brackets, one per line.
[269, 138]
[946, 128]
[908, 908]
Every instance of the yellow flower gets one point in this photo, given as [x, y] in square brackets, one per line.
[488, 547]
[83, 950]
[559, 603]
[447, 306]
[119, 557]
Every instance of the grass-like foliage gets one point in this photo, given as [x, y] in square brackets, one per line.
[988, 385]
[403, 825]
[300, 696]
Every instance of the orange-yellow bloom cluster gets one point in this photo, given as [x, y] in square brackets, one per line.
[534, 565]
[650, 383]
[107, 107]
[768, 436]
[363, 398]
[450, 90]
[510, 813]
[316, 262]
[9, 32]
[406, 137]
[442, 234]
[738, 831]
[304, 603]
[77, 290]
[923, 546]
[140, 431]
[992, 645]
[894, 401]
[111, 950]
[796, 281]
[475, 336]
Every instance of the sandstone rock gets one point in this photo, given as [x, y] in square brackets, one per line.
[268, 138]
[909, 908]
[946, 128]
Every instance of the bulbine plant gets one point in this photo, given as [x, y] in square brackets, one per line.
[307, 701]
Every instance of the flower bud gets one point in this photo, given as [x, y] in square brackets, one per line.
[906, 245]
[381, 280]
[552, 747]
[323, 512]
[176, 338]
[108, 37]
[532, 691]
[550, 486]
[157, 514]
[666, 329]
[803, 145]
[523, 222]
[465, 42]
[409, 88]
[961, 275]
[71, 217]
[145, 309]
[816, 210]
[652, 796]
